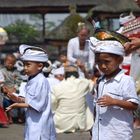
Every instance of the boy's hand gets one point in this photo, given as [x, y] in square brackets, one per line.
[105, 100]
[12, 97]
[8, 108]
[11, 107]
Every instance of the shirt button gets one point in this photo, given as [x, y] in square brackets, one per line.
[100, 119]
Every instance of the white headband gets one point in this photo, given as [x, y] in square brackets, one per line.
[113, 47]
[58, 71]
[126, 19]
[31, 53]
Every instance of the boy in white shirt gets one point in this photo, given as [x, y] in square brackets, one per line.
[39, 121]
[115, 97]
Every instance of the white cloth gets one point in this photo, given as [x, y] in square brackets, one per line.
[86, 56]
[89, 101]
[72, 113]
[31, 53]
[22, 89]
[52, 82]
[109, 46]
[92, 43]
[126, 19]
[135, 68]
[135, 65]
[58, 71]
[113, 122]
[2, 78]
[39, 121]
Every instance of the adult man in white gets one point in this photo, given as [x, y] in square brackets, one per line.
[56, 77]
[72, 113]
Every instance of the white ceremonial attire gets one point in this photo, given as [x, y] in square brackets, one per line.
[89, 101]
[52, 82]
[113, 122]
[135, 65]
[22, 89]
[72, 113]
[39, 121]
[86, 56]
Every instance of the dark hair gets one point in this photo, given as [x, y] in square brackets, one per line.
[10, 55]
[73, 73]
[64, 52]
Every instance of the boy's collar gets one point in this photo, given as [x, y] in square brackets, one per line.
[117, 77]
[31, 77]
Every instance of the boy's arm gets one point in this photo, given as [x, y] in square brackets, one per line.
[14, 97]
[17, 105]
[109, 101]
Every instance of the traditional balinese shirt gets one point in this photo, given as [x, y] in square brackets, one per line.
[72, 113]
[114, 122]
[74, 53]
[39, 121]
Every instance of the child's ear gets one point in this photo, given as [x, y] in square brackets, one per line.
[120, 59]
[40, 66]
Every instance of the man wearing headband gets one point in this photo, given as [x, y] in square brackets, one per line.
[115, 96]
[69, 96]
[57, 75]
[39, 121]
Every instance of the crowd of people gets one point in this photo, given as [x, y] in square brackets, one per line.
[85, 89]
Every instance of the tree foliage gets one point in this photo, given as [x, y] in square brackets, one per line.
[21, 32]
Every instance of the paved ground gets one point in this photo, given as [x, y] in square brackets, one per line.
[15, 132]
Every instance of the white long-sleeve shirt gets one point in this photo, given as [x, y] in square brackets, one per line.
[73, 53]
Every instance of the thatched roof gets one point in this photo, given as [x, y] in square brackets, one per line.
[43, 6]
[33, 3]
[67, 29]
[116, 6]
[52, 6]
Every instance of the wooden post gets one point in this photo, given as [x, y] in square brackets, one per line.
[43, 26]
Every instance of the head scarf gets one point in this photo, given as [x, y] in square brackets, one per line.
[113, 47]
[31, 53]
[58, 71]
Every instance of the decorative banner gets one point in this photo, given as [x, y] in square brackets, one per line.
[132, 28]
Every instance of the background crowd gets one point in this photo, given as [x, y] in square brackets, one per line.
[72, 78]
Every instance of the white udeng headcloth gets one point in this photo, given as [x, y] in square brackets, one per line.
[58, 71]
[31, 53]
[108, 46]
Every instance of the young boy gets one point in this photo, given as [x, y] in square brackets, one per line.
[10, 78]
[115, 97]
[39, 122]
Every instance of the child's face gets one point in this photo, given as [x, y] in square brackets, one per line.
[63, 58]
[108, 63]
[10, 62]
[32, 68]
